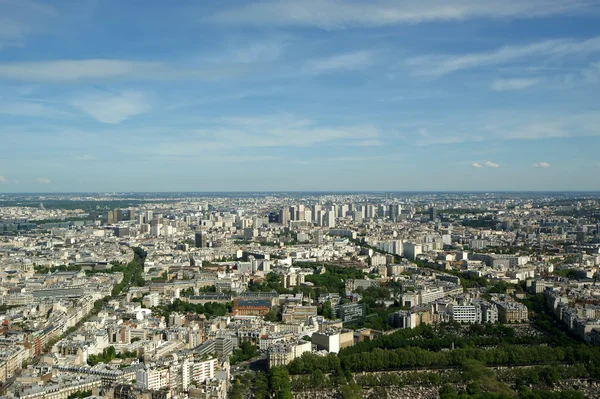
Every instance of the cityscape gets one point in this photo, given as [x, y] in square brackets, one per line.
[178, 295]
[300, 199]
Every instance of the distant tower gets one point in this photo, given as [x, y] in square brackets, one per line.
[432, 214]
[200, 239]
[42, 206]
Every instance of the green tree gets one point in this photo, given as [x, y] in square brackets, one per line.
[281, 387]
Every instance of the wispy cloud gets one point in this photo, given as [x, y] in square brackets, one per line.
[44, 180]
[514, 125]
[476, 165]
[224, 135]
[541, 165]
[513, 84]
[112, 108]
[338, 14]
[257, 51]
[491, 164]
[437, 65]
[71, 71]
[3, 179]
[18, 19]
[61, 71]
[32, 109]
[347, 61]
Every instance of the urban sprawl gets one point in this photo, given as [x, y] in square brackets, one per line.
[420, 295]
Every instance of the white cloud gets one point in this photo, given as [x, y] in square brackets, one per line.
[512, 124]
[262, 51]
[513, 84]
[112, 108]
[3, 179]
[492, 164]
[284, 131]
[339, 14]
[347, 61]
[44, 180]
[476, 165]
[67, 71]
[437, 65]
[541, 165]
[33, 109]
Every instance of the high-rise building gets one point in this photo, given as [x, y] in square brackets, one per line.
[200, 238]
[432, 214]
[300, 213]
[284, 216]
[274, 217]
[293, 212]
[329, 219]
[394, 211]
[110, 219]
[318, 237]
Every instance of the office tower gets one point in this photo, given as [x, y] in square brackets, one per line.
[300, 213]
[293, 212]
[329, 219]
[318, 237]
[274, 217]
[284, 216]
[109, 217]
[394, 211]
[149, 216]
[319, 218]
[201, 241]
[308, 215]
[357, 216]
[432, 214]
[370, 212]
[122, 214]
[316, 208]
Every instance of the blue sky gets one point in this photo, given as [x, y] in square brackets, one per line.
[299, 95]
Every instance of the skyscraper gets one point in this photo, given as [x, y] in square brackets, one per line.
[284, 216]
[394, 211]
[432, 214]
[201, 241]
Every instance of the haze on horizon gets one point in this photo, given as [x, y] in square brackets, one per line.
[327, 95]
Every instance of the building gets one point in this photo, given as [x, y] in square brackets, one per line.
[411, 250]
[251, 307]
[466, 314]
[402, 319]
[200, 239]
[350, 311]
[328, 341]
[512, 312]
[298, 313]
[489, 313]
[154, 378]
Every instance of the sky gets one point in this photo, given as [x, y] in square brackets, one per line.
[304, 95]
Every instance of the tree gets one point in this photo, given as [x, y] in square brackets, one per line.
[328, 310]
[271, 315]
[280, 383]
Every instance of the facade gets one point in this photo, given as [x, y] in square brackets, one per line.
[154, 379]
[200, 239]
[328, 341]
[251, 307]
[466, 314]
[512, 312]
[350, 311]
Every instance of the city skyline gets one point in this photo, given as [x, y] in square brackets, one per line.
[279, 96]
